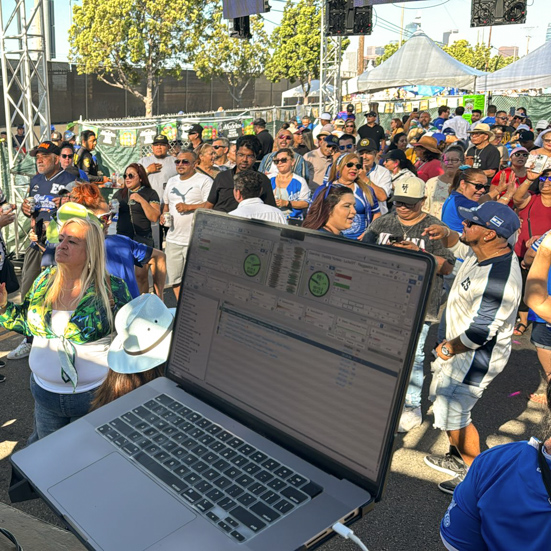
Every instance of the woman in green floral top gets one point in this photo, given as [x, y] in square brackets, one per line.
[69, 311]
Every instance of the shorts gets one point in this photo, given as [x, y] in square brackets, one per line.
[175, 261]
[453, 402]
[541, 335]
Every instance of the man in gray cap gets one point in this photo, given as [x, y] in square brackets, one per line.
[264, 137]
[160, 166]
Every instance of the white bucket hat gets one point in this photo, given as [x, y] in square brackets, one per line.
[144, 332]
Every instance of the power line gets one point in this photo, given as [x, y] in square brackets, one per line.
[423, 8]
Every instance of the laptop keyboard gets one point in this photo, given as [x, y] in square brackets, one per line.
[231, 483]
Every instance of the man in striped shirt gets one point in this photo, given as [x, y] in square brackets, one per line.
[480, 318]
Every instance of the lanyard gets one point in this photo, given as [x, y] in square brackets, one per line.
[545, 471]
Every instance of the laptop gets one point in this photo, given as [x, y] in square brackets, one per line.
[289, 363]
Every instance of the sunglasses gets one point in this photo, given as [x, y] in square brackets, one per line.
[546, 141]
[345, 147]
[520, 154]
[218, 146]
[63, 156]
[502, 118]
[451, 161]
[285, 137]
[351, 165]
[545, 178]
[182, 162]
[477, 186]
[470, 223]
[129, 176]
[405, 205]
[278, 161]
[350, 126]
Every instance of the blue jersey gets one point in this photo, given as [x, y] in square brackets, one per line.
[450, 214]
[297, 190]
[532, 316]
[502, 504]
[121, 255]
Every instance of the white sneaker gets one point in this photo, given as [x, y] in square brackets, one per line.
[22, 351]
[410, 419]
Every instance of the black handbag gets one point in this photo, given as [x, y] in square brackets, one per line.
[7, 275]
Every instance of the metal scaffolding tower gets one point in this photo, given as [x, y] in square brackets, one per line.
[24, 43]
[330, 68]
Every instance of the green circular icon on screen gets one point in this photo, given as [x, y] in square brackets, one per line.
[252, 265]
[319, 284]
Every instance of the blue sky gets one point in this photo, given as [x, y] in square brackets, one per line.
[437, 16]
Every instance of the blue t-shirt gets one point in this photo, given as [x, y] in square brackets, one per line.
[121, 255]
[439, 122]
[489, 120]
[450, 214]
[532, 316]
[501, 505]
[364, 211]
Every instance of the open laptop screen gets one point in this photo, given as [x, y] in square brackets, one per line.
[309, 334]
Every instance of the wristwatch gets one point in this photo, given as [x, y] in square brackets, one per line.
[446, 351]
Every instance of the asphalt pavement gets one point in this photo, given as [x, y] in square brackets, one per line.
[408, 516]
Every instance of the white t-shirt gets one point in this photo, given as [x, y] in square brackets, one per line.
[382, 178]
[159, 179]
[193, 191]
[255, 208]
[90, 362]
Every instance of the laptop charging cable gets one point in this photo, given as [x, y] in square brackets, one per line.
[348, 534]
[12, 538]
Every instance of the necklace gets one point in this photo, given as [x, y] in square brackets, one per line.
[405, 229]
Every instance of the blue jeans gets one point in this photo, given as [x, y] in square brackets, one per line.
[413, 395]
[53, 411]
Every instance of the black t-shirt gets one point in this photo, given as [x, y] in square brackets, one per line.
[132, 219]
[375, 133]
[221, 192]
[267, 143]
[301, 149]
[488, 158]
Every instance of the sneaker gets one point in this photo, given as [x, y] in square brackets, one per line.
[22, 351]
[449, 463]
[410, 419]
[448, 486]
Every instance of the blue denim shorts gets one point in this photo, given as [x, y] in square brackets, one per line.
[453, 402]
[541, 335]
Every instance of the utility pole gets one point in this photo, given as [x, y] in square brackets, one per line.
[361, 55]
[401, 27]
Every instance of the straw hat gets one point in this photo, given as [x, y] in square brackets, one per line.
[429, 143]
[482, 128]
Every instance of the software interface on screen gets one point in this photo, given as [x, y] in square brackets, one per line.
[308, 335]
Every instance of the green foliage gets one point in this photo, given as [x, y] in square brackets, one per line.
[235, 60]
[390, 49]
[127, 41]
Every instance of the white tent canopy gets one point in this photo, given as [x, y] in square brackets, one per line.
[297, 92]
[531, 71]
[419, 62]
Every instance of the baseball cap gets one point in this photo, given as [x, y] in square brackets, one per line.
[494, 216]
[325, 116]
[68, 135]
[259, 122]
[160, 138]
[45, 147]
[448, 130]
[196, 129]
[519, 114]
[519, 148]
[542, 124]
[339, 122]
[371, 114]
[332, 141]
[525, 136]
[367, 145]
[409, 190]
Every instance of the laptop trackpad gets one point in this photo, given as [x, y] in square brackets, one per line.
[119, 506]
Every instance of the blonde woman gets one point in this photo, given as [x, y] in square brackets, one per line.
[69, 311]
[206, 157]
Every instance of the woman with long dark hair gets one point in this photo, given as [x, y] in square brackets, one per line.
[332, 211]
[139, 208]
[429, 155]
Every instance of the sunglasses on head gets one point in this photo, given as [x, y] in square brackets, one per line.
[477, 186]
[69, 156]
[345, 147]
[182, 162]
[129, 176]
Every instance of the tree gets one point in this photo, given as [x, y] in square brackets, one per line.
[296, 45]
[125, 42]
[478, 56]
[390, 49]
[235, 60]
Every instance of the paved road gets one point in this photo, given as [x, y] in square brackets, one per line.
[408, 516]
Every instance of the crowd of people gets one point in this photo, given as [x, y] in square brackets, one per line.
[476, 196]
